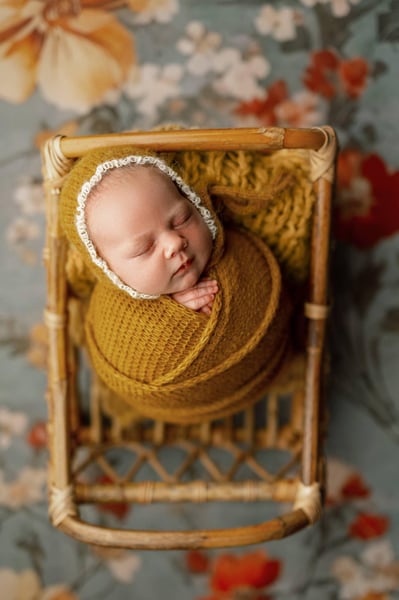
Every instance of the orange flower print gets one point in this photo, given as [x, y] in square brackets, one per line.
[367, 526]
[254, 570]
[367, 207]
[353, 75]
[37, 436]
[59, 592]
[375, 596]
[301, 110]
[330, 75]
[264, 109]
[75, 51]
[37, 353]
[278, 108]
[161, 11]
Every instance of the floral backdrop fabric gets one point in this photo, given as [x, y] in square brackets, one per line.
[98, 66]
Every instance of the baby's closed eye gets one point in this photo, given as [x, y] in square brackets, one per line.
[182, 218]
[141, 250]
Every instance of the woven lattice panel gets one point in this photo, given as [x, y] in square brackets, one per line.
[253, 455]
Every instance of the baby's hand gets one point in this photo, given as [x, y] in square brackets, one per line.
[200, 297]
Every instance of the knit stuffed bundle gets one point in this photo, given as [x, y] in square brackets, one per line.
[163, 359]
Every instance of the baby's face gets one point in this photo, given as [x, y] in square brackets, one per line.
[150, 235]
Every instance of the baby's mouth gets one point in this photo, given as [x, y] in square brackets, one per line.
[184, 266]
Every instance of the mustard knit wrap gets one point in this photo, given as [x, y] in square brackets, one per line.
[177, 365]
[174, 364]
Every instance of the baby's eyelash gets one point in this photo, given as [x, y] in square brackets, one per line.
[182, 219]
[142, 251]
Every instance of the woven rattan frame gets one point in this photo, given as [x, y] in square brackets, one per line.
[302, 435]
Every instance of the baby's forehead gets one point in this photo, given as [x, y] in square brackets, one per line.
[128, 172]
[134, 175]
[122, 191]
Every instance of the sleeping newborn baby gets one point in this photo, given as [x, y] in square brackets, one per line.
[188, 321]
[151, 235]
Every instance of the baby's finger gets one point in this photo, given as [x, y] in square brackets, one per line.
[206, 282]
[207, 309]
[196, 303]
[196, 292]
[210, 287]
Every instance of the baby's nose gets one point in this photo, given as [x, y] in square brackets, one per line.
[174, 243]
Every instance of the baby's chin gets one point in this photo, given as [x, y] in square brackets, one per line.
[189, 280]
[192, 277]
[184, 282]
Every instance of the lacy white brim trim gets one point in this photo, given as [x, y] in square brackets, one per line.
[87, 187]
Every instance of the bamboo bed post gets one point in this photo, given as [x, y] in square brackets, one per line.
[316, 310]
[55, 316]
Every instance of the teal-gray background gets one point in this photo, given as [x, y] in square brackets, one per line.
[210, 64]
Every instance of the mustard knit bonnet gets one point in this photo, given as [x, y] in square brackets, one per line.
[88, 173]
[164, 360]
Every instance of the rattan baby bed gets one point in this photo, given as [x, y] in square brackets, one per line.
[296, 489]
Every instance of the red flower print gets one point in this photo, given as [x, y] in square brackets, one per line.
[367, 526]
[253, 570]
[197, 561]
[118, 509]
[264, 109]
[367, 208]
[329, 75]
[355, 487]
[37, 435]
